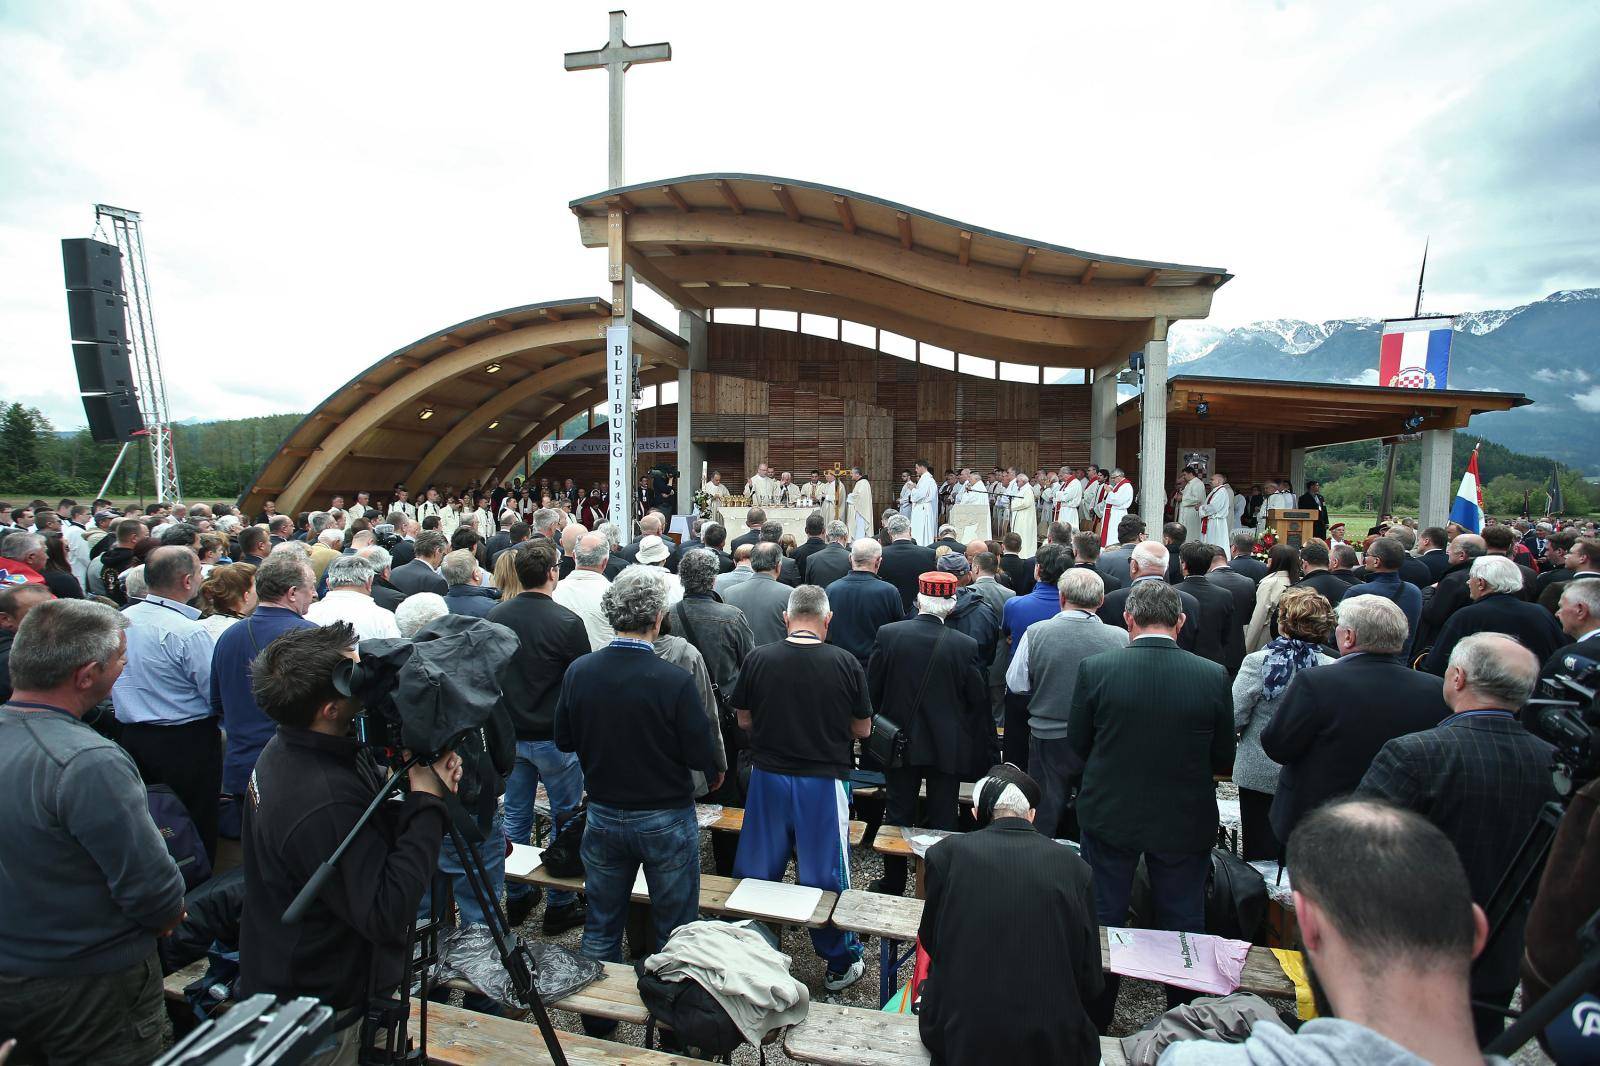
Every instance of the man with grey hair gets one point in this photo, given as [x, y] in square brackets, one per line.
[1148, 562]
[802, 740]
[417, 610]
[1385, 577]
[830, 562]
[1045, 670]
[384, 592]
[87, 881]
[1481, 778]
[421, 574]
[762, 598]
[1334, 720]
[466, 596]
[1579, 615]
[1451, 593]
[329, 546]
[349, 599]
[22, 558]
[163, 698]
[582, 590]
[1495, 585]
[904, 561]
[862, 602]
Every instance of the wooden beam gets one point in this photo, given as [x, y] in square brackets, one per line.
[1150, 278]
[502, 325]
[367, 387]
[903, 220]
[1088, 273]
[410, 362]
[297, 453]
[729, 195]
[676, 199]
[652, 276]
[552, 314]
[786, 202]
[847, 218]
[1027, 263]
[627, 204]
[965, 255]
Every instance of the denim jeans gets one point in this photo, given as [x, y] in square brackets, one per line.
[492, 853]
[563, 783]
[616, 843]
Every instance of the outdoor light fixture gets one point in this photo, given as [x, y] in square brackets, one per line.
[492, 368]
[1412, 424]
[495, 424]
[425, 414]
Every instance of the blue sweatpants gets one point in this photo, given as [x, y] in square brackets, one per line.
[807, 817]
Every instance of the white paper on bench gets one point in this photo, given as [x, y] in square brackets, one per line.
[707, 813]
[774, 899]
[523, 860]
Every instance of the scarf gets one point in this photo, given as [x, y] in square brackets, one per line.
[1286, 657]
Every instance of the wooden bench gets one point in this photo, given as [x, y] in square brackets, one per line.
[714, 893]
[894, 919]
[834, 1035]
[731, 820]
[458, 1037]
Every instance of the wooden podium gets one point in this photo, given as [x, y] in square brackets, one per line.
[1291, 527]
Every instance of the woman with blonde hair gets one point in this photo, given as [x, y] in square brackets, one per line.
[505, 576]
[226, 595]
[1305, 618]
[1283, 570]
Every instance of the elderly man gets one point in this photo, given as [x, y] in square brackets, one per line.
[1579, 615]
[349, 599]
[22, 559]
[802, 744]
[923, 677]
[328, 547]
[87, 880]
[830, 562]
[417, 610]
[1333, 720]
[638, 728]
[762, 598]
[862, 603]
[1045, 670]
[1451, 593]
[421, 574]
[570, 535]
[1482, 778]
[163, 698]
[1495, 586]
[972, 615]
[904, 561]
[581, 590]
[466, 595]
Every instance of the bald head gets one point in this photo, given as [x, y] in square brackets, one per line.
[866, 554]
[591, 552]
[1489, 670]
[570, 537]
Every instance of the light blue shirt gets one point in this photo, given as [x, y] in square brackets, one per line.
[168, 677]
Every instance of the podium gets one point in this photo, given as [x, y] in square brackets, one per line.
[1291, 527]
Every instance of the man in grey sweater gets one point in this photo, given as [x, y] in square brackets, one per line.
[87, 881]
[1045, 669]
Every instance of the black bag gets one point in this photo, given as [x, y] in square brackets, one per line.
[564, 856]
[1236, 898]
[887, 743]
[696, 1019]
[179, 834]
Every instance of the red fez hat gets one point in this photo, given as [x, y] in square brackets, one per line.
[934, 583]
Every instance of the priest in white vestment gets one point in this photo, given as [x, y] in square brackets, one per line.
[1189, 501]
[1024, 519]
[1216, 513]
[1283, 499]
[1117, 502]
[761, 486]
[1093, 491]
[829, 497]
[718, 492]
[975, 493]
[858, 507]
[924, 507]
[1069, 498]
[906, 485]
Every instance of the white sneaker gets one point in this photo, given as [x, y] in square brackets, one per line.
[838, 982]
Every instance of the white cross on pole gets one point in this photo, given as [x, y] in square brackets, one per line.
[621, 373]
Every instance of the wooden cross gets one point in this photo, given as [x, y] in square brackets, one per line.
[616, 57]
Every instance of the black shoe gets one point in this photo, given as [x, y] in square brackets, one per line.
[559, 919]
[880, 886]
[517, 910]
[598, 1027]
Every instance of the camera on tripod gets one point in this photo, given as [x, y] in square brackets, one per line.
[1566, 716]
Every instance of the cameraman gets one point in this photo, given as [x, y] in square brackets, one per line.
[310, 785]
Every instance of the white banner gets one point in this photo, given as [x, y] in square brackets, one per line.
[619, 427]
[575, 446]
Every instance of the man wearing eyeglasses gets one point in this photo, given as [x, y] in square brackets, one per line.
[1382, 563]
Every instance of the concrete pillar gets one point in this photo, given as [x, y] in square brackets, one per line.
[1433, 502]
[692, 328]
[1152, 477]
[1103, 417]
[1297, 469]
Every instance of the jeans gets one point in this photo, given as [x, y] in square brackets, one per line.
[563, 783]
[492, 854]
[111, 1018]
[616, 843]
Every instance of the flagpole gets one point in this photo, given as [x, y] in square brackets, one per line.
[1394, 446]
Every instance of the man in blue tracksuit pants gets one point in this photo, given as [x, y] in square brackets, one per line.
[804, 701]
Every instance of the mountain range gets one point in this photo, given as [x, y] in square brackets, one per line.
[1549, 350]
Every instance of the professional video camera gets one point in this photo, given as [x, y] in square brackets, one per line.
[1565, 714]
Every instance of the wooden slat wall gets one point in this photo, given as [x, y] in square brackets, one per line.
[1247, 456]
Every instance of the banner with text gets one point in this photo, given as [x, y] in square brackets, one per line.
[575, 446]
[619, 427]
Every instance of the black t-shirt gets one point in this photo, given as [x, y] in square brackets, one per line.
[802, 699]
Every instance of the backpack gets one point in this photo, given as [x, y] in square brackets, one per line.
[179, 834]
[1236, 898]
[564, 856]
[696, 1019]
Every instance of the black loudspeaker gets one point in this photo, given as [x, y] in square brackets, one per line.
[103, 368]
[96, 316]
[113, 416]
[91, 264]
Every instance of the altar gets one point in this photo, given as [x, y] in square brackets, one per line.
[971, 521]
[793, 520]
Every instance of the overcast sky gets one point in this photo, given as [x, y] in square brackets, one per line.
[325, 183]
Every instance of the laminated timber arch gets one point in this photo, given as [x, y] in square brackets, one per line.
[509, 369]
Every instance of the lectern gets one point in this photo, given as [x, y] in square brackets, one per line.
[1291, 527]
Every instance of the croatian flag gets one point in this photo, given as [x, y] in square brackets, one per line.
[1415, 353]
[1467, 511]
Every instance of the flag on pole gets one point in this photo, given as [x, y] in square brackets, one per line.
[1414, 353]
[1467, 511]
[1553, 503]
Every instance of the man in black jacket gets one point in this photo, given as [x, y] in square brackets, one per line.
[310, 786]
[1312, 500]
[1451, 593]
[1495, 585]
[1214, 625]
[1012, 942]
[754, 519]
[1243, 590]
[553, 638]
[1579, 615]
[1152, 724]
[831, 562]
[815, 525]
[715, 537]
[1015, 567]
[1333, 720]
[1149, 563]
[1434, 555]
[788, 572]
[421, 574]
[904, 560]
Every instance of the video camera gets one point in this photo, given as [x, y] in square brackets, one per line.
[1565, 715]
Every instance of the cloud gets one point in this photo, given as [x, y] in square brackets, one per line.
[1588, 401]
[1366, 377]
[1556, 375]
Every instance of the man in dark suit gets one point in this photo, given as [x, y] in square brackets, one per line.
[1214, 624]
[1435, 555]
[1173, 534]
[1149, 563]
[814, 542]
[1311, 500]
[422, 573]
[1314, 573]
[1502, 540]
[651, 525]
[1243, 591]
[1482, 779]
[1086, 555]
[1450, 594]
[1241, 544]
[1579, 615]
[832, 561]
[904, 560]
[1015, 567]
[1583, 561]
[404, 550]
[1010, 931]
[862, 603]
[1333, 720]
[1152, 724]
[715, 537]
[754, 518]
[947, 537]
[923, 676]
[384, 592]
[1385, 577]
[1496, 588]
[788, 571]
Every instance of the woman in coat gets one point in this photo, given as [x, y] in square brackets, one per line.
[1283, 570]
[1305, 618]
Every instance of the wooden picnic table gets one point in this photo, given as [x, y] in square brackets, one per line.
[731, 820]
[460, 1037]
[895, 919]
[714, 893]
[835, 1035]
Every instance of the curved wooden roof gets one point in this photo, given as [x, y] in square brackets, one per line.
[746, 240]
[491, 388]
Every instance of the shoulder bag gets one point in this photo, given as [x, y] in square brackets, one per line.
[886, 744]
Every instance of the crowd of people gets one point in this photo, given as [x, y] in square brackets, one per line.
[1096, 684]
